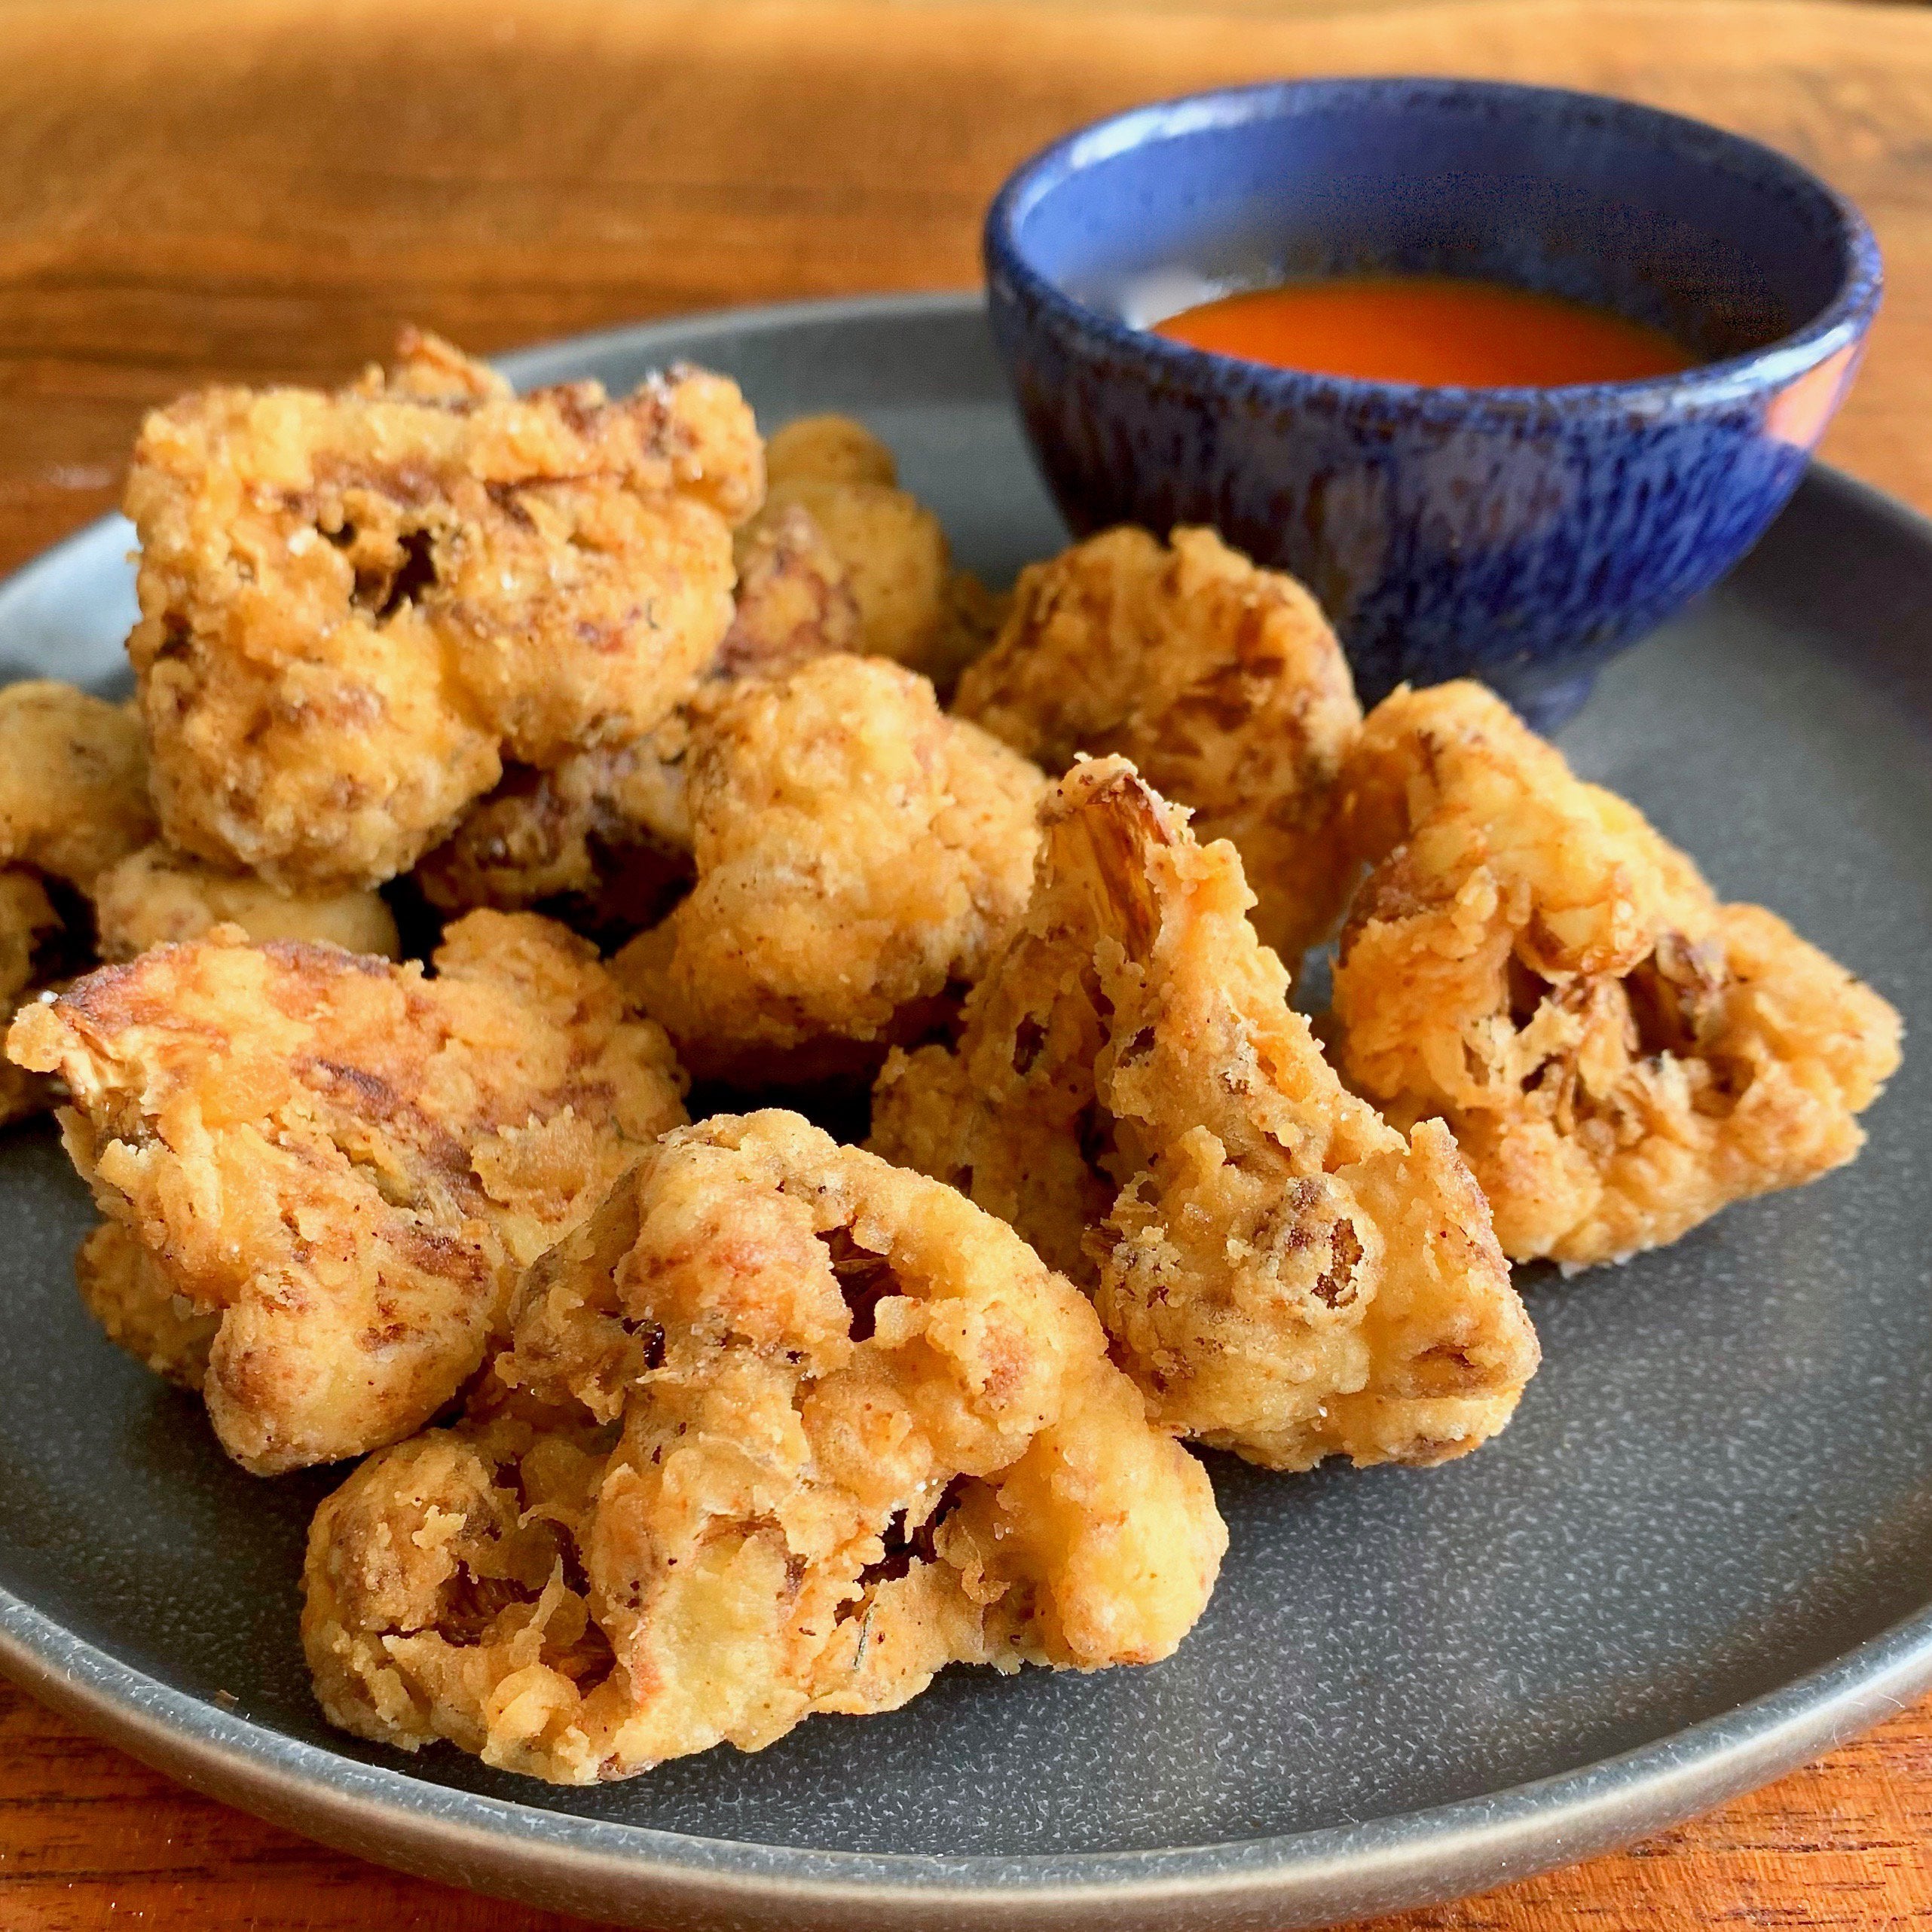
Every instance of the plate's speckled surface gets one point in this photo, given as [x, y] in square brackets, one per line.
[1704, 1549]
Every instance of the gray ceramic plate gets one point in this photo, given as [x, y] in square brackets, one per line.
[1702, 1553]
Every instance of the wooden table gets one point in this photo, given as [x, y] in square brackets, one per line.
[261, 189]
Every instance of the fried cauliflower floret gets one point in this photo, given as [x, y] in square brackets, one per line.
[892, 554]
[602, 842]
[28, 923]
[858, 852]
[1283, 1273]
[355, 606]
[348, 1163]
[73, 800]
[827, 449]
[160, 897]
[1618, 1054]
[788, 1430]
[27, 920]
[126, 1291]
[605, 838]
[794, 601]
[1222, 682]
[73, 781]
[974, 618]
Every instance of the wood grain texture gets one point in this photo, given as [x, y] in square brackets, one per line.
[263, 188]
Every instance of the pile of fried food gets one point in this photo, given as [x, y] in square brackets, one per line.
[676, 1433]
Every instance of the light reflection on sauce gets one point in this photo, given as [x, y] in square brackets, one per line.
[1435, 329]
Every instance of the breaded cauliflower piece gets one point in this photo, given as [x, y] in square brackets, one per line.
[604, 839]
[1618, 1054]
[30, 925]
[794, 601]
[1222, 682]
[347, 1162]
[126, 1292]
[1283, 1273]
[602, 842]
[788, 1430]
[895, 558]
[28, 920]
[355, 606]
[73, 781]
[826, 449]
[858, 853]
[160, 897]
[73, 801]
[912, 606]
[974, 618]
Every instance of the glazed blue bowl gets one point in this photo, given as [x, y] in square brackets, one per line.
[1522, 535]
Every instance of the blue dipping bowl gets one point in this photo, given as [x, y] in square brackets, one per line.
[1521, 536]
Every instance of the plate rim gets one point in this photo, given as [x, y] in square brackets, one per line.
[645, 1874]
[640, 1873]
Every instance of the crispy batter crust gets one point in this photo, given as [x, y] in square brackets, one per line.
[607, 832]
[346, 1162]
[1222, 682]
[1619, 1055]
[890, 550]
[790, 1430]
[1282, 1273]
[29, 924]
[160, 897]
[857, 853]
[126, 1291]
[353, 606]
[73, 801]
[602, 842]
[895, 556]
[73, 780]
[794, 601]
[27, 917]
[827, 449]
[23, 1095]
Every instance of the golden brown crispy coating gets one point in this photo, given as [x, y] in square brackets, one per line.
[973, 618]
[1619, 1055]
[857, 853]
[602, 842]
[28, 923]
[160, 897]
[912, 606]
[126, 1291]
[73, 780]
[354, 606]
[1282, 1273]
[1222, 682]
[793, 603]
[894, 553]
[73, 800]
[607, 832]
[827, 449]
[347, 1162]
[27, 920]
[792, 1430]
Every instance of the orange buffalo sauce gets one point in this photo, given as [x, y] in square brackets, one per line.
[1437, 330]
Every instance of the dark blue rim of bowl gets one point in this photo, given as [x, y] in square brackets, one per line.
[1839, 325]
